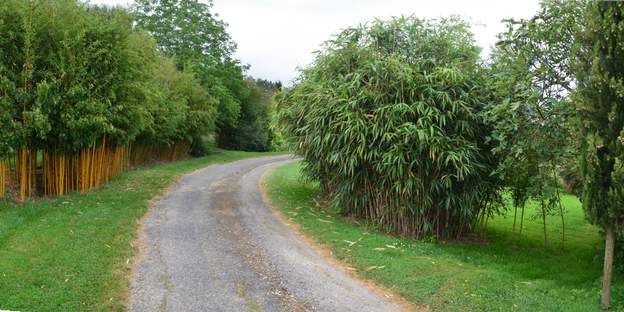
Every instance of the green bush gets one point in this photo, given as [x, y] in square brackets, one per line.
[388, 119]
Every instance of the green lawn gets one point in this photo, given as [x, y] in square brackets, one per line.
[72, 253]
[508, 273]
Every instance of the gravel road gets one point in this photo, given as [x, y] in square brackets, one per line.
[212, 244]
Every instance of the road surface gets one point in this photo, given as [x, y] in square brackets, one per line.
[212, 244]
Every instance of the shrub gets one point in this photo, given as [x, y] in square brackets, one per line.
[388, 119]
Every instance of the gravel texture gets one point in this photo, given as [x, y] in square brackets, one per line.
[212, 244]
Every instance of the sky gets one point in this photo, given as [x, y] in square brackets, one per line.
[275, 37]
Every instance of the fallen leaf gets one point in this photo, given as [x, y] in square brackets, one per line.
[353, 243]
[375, 267]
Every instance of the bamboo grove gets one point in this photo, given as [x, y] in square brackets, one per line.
[85, 96]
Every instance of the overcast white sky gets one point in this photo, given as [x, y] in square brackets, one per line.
[277, 36]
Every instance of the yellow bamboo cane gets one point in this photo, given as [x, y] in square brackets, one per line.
[2, 178]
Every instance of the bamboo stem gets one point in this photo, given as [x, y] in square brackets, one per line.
[2, 178]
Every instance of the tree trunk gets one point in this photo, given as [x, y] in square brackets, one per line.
[515, 217]
[544, 223]
[562, 230]
[562, 215]
[608, 267]
[562, 222]
[522, 219]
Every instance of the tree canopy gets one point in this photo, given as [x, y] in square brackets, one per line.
[189, 32]
[600, 105]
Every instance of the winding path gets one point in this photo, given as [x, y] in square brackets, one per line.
[212, 244]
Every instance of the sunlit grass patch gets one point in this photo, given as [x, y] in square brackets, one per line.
[508, 272]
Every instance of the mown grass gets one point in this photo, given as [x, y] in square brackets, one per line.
[73, 253]
[510, 272]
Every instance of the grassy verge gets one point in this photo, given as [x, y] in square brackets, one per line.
[72, 253]
[510, 272]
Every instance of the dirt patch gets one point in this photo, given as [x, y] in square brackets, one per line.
[327, 254]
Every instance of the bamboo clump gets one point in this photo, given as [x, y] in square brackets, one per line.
[85, 171]
[149, 154]
[54, 172]
[399, 141]
[61, 101]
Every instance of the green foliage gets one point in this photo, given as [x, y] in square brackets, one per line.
[531, 115]
[508, 272]
[252, 132]
[11, 41]
[188, 32]
[180, 109]
[600, 104]
[71, 74]
[71, 77]
[185, 29]
[388, 119]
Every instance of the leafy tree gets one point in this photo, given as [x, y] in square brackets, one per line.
[167, 106]
[388, 119]
[180, 109]
[252, 132]
[531, 114]
[600, 104]
[187, 31]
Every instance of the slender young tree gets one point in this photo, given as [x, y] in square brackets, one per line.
[600, 104]
[533, 81]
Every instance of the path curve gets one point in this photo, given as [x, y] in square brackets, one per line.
[212, 244]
